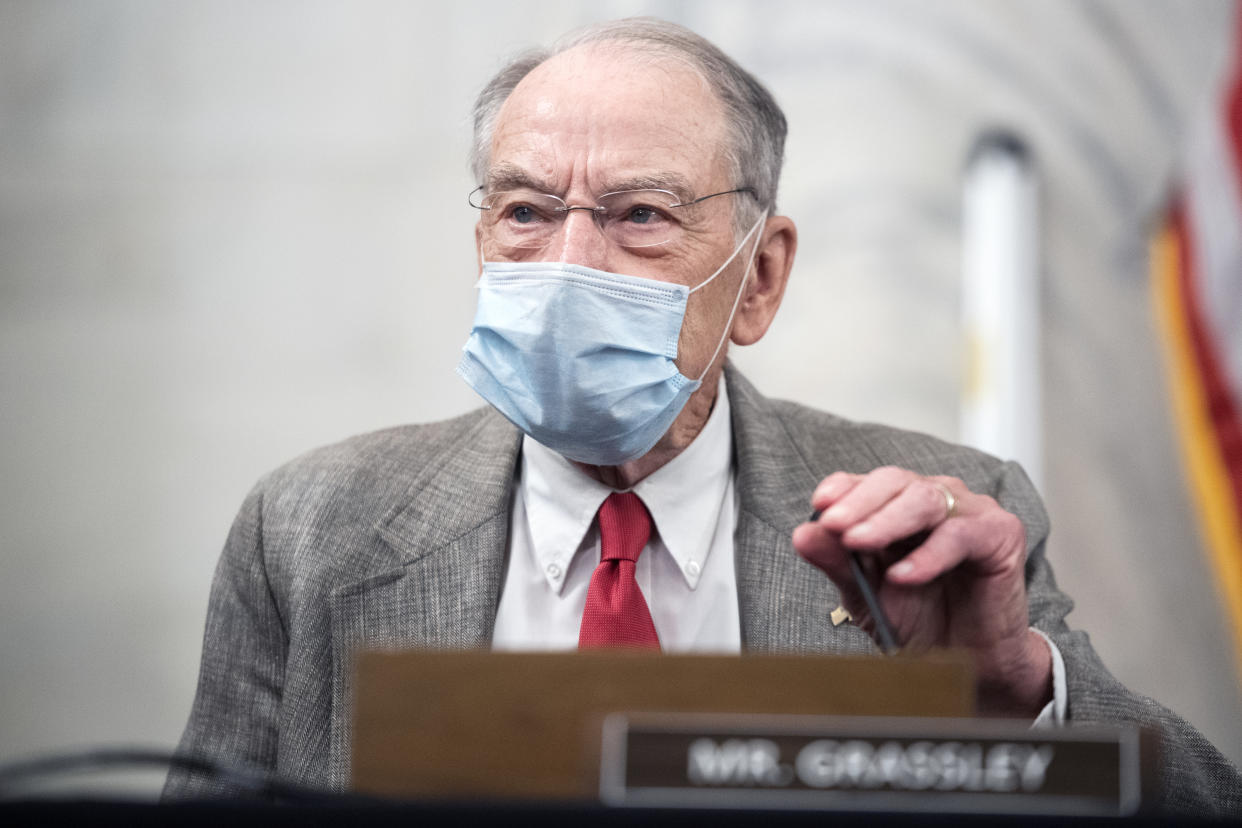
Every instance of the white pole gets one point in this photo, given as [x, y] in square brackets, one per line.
[1000, 303]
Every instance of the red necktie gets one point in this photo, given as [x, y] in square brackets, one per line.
[616, 613]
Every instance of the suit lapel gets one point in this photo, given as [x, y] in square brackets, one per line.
[784, 601]
[451, 539]
[441, 588]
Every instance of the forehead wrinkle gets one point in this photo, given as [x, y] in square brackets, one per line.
[608, 166]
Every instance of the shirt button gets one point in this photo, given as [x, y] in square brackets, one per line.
[553, 571]
[692, 568]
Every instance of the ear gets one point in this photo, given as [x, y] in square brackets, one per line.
[768, 276]
[478, 245]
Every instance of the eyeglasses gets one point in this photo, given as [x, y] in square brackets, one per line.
[630, 218]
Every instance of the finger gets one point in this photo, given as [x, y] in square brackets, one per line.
[992, 542]
[869, 494]
[821, 548]
[832, 488]
[920, 505]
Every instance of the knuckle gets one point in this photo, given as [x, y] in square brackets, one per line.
[990, 503]
[932, 495]
[889, 474]
[1010, 523]
[834, 481]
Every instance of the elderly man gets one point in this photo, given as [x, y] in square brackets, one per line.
[637, 490]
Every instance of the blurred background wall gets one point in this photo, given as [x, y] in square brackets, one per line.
[232, 231]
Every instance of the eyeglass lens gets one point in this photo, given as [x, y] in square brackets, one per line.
[631, 218]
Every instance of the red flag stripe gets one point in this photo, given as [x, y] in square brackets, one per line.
[1222, 407]
[1233, 103]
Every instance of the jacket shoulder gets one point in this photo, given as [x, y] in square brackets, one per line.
[863, 446]
[321, 512]
[377, 462]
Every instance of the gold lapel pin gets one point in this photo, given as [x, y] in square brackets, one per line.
[839, 616]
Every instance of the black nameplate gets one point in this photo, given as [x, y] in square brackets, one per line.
[886, 764]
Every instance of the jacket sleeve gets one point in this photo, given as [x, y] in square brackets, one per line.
[235, 714]
[1195, 778]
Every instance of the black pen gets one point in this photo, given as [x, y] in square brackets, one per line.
[883, 629]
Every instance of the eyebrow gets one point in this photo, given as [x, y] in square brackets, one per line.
[506, 176]
[675, 183]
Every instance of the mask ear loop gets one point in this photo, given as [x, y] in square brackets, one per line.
[740, 290]
[733, 255]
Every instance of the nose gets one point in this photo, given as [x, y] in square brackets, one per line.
[580, 241]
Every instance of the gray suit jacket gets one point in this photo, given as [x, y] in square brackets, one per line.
[397, 539]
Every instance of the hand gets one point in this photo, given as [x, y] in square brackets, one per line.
[961, 585]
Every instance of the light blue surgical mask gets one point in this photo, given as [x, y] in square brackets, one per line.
[582, 360]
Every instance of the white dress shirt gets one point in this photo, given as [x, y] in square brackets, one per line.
[686, 571]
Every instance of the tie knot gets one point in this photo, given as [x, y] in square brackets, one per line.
[624, 527]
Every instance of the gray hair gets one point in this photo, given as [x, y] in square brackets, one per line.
[756, 133]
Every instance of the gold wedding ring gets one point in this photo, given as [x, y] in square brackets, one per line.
[950, 502]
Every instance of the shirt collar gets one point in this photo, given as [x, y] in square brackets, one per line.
[684, 497]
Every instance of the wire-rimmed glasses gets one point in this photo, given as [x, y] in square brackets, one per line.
[629, 218]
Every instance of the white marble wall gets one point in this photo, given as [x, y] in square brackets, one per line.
[231, 231]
